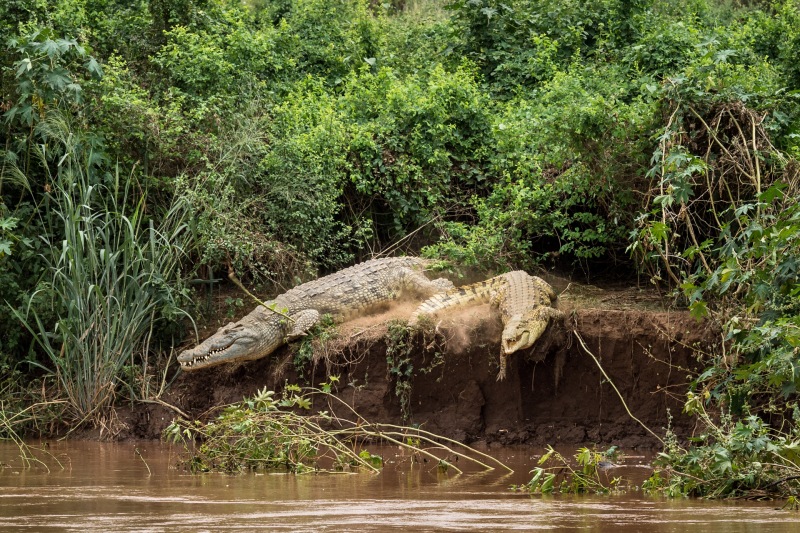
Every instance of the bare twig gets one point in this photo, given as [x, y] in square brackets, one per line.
[165, 404]
[268, 307]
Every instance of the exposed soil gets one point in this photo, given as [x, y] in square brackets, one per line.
[554, 392]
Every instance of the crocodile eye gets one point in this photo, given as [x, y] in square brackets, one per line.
[232, 328]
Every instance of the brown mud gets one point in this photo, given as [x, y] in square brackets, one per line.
[554, 393]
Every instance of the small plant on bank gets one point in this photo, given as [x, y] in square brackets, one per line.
[324, 331]
[399, 365]
[282, 432]
[261, 433]
[560, 476]
[432, 343]
[742, 458]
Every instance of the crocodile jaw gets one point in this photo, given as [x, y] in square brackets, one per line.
[517, 342]
[521, 332]
[234, 342]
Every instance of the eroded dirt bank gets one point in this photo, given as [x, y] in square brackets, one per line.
[554, 393]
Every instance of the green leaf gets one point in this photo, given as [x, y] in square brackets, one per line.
[65, 44]
[24, 66]
[546, 456]
[74, 88]
[722, 461]
[723, 55]
[698, 309]
[584, 456]
[664, 200]
[659, 231]
[7, 224]
[538, 472]
[57, 79]
[94, 68]
[693, 404]
[51, 48]
[775, 191]
[548, 484]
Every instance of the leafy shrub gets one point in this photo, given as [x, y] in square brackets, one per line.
[229, 233]
[328, 40]
[47, 72]
[740, 459]
[417, 146]
[197, 63]
[526, 222]
[565, 195]
[303, 173]
[21, 267]
[774, 34]
[154, 135]
[665, 46]
[416, 38]
[523, 43]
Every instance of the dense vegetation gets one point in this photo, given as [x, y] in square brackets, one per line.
[149, 143]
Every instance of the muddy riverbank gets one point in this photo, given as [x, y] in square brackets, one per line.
[554, 393]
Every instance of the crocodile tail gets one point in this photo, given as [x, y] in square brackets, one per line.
[477, 293]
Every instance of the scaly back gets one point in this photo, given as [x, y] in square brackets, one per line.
[475, 294]
[359, 287]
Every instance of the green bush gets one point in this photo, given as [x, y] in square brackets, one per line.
[743, 458]
[21, 267]
[522, 43]
[774, 34]
[48, 71]
[533, 221]
[328, 40]
[417, 145]
[566, 193]
[302, 176]
[664, 47]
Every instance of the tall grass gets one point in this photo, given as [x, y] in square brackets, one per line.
[114, 272]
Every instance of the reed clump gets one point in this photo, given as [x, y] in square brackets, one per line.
[113, 274]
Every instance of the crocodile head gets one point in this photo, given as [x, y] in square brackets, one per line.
[522, 331]
[240, 341]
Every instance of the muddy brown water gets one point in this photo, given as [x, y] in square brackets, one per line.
[109, 487]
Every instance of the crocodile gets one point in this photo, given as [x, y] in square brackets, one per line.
[525, 304]
[343, 294]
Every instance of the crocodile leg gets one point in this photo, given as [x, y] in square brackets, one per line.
[302, 321]
[416, 282]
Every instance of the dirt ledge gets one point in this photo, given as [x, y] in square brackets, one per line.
[554, 393]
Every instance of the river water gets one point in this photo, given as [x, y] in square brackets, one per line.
[136, 487]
